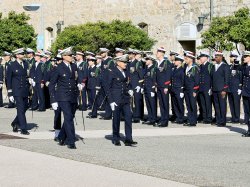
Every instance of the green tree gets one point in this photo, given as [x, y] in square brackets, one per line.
[15, 32]
[226, 32]
[92, 36]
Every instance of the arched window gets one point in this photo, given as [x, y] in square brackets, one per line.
[143, 26]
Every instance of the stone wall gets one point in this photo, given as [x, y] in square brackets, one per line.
[162, 16]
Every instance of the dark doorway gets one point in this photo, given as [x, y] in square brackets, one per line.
[188, 45]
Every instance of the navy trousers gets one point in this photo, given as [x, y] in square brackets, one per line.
[164, 105]
[220, 108]
[234, 104]
[151, 107]
[67, 133]
[125, 108]
[206, 105]
[58, 119]
[246, 105]
[191, 107]
[21, 106]
[138, 102]
[178, 106]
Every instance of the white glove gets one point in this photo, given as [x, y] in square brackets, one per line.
[152, 94]
[142, 91]
[79, 87]
[239, 91]
[131, 93]
[137, 89]
[209, 92]
[165, 90]
[181, 95]
[54, 106]
[113, 105]
[1, 85]
[47, 83]
[12, 99]
[30, 80]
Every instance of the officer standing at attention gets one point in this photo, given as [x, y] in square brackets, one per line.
[7, 59]
[235, 87]
[177, 89]
[149, 90]
[163, 81]
[205, 88]
[82, 67]
[191, 88]
[119, 95]
[31, 57]
[136, 82]
[18, 90]
[63, 94]
[246, 90]
[220, 81]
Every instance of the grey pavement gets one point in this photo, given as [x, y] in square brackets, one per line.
[201, 156]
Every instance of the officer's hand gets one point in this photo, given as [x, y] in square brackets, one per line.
[194, 94]
[42, 85]
[30, 80]
[210, 92]
[239, 91]
[152, 94]
[137, 88]
[223, 94]
[181, 95]
[142, 91]
[12, 99]
[113, 105]
[79, 87]
[54, 106]
[47, 83]
[1, 85]
[131, 93]
[33, 83]
[83, 85]
[165, 90]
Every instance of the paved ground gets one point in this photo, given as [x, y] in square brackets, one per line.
[201, 156]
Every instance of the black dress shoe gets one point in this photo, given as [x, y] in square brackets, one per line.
[33, 109]
[179, 122]
[146, 122]
[105, 118]
[61, 142]
[186, 124]
[41, 110]
[91, 117]
[207, 122]
[161, 125]
[192, 125]
[71, 146]
[136, 121]
[8, 106]
[221, 125]
[56, 139]
[246, 134]
[117, 143]
[14, 126]
[25, 132]
[236, 122]
[129, 142]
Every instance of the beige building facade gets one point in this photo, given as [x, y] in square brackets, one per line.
[173, 23]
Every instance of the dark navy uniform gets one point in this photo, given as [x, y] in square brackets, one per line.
[204, 92]
[106, 65]
[92, 83]
[150, 94]
[220, 81]
[234, 91]
[191, 86]
[37, 74]
[47, 73]
[136, 80]
[82, 79]
[7, 64]
[1, 85]
[18, 87]
[63, 89]
[163, 81]
[117, 89]
[246, 94]
[176, 89]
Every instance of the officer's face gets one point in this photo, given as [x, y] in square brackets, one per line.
[103, 55]
[20, 56]
[149, 62]
[79, 57]
[68, 58]
[218, 58]
[29, 55]
[159, 54]
[138, 56]
[203, 59]
[232, 59]
[6, 58]
[98, 61]
[119, 54]
[246, 59]
[91, 63]
[188, 60]
[131, 56]
[177, 63]
[172, 57]
[122, 65]
[37, 58]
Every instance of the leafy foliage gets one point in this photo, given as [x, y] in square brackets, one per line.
[15, 32]
[92, 36]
